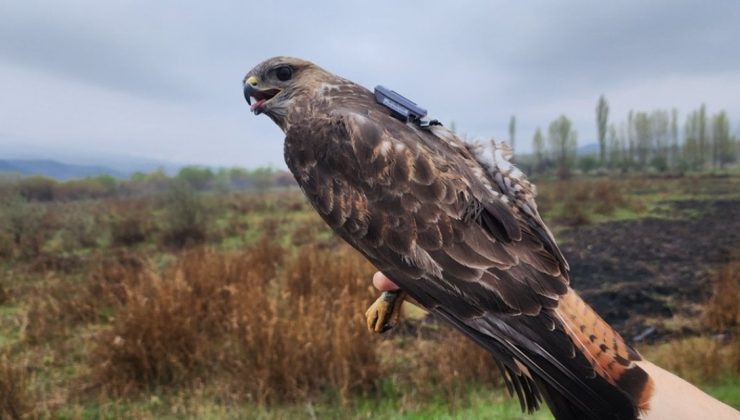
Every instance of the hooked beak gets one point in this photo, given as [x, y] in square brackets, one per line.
[261, 96]
[248, 92]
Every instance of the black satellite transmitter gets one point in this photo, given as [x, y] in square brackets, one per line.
[401, 107]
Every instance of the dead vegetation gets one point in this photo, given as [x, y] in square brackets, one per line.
[15, 399]
[244, 296]
[722, 312]
[578, 202]
[262, 324]
[698, 359]
[278, 335]
[716, 353]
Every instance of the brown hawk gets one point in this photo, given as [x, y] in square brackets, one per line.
[457, 230]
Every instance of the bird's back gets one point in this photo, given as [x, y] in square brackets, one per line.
[443, 225]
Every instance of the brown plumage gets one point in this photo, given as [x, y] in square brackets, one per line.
[458, 232]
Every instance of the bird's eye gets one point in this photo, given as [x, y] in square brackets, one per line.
[284, 73]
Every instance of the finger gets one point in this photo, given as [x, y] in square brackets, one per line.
[383, 283]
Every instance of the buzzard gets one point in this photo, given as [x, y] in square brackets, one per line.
[456, 227]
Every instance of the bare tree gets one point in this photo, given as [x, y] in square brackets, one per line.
[722, 144]
[512, 133]
[538, 145]
[659, 130]
[602, 117]
[691, 145]
[615, 146]
[643, 137]
[563, 142]
[674, 138]
[702, 134]
[631, 136]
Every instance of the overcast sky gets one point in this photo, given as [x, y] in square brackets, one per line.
[162, 80]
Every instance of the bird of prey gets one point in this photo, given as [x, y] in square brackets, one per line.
[457, 229]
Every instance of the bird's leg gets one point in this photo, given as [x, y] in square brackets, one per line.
[385, 312]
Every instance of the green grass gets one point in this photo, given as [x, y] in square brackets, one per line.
[643, 198]
[726, 390]
[480, 404]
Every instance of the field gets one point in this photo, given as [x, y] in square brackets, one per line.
[244, 305]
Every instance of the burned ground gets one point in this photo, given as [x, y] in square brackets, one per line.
[643, 273]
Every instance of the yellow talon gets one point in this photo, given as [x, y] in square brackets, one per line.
[385, 312]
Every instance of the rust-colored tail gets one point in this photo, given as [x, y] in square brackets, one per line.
[606, 351]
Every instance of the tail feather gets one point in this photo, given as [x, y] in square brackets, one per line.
[606, 351]
[564, 366]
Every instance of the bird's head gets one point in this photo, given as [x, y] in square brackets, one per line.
[273, 86]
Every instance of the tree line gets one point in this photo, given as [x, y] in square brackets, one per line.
[646, 141]
[39, 188]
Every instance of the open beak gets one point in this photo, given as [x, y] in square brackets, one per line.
[261, 96]
[248, 92]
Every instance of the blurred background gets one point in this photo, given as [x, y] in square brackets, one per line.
[157, 260]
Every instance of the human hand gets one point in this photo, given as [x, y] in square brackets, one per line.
[383, 283]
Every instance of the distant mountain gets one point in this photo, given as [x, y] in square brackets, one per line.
[56, 170]
[588, 149]
[114, 164]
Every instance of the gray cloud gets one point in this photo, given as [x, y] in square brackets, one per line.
[161, 79]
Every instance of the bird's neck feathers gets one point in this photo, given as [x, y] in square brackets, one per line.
[320, 97]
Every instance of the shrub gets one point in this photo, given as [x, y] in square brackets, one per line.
[79, 227]
[129, 222]
[87, 188]
[15, 400]
[64, 303]
[185, 217]
[588, 163]
[4, 294]
[170, 327]
[37, 188]
[607, 197]
[722, 312]
[24, 223]
[196, 177]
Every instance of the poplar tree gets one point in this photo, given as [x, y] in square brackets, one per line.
[563, 142]
[512, 133]
[602, 117]
[538, 146]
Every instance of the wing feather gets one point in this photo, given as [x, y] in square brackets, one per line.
[465, 244]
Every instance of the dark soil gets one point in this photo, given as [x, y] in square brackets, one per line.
[638, 274]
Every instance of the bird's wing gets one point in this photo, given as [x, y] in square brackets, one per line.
[425, 213]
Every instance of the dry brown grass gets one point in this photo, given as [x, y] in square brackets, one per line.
[280, 336]
[15, 399]
[708, 358]
[270, 334]
[62, 303]
[722, 312]
[438, 361]
[576, 202]
[697, 359]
